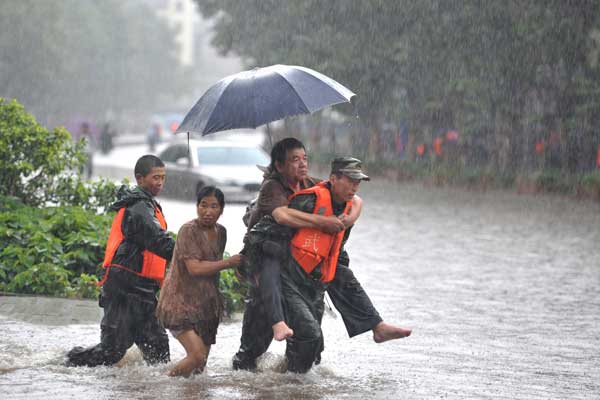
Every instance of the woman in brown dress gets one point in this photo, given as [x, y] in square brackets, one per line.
[190, 304]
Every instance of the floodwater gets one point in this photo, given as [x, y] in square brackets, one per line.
[502, 292]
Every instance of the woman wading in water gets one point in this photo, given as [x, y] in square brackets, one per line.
[190, 304]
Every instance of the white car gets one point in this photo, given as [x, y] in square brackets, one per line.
[231, 166]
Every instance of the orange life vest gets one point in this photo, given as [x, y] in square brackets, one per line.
[437, 146]
[539, 146]
[153, 266]
[311, 247]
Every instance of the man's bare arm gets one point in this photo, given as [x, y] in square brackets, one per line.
[355, 211]
[298, 219]
[209, 268]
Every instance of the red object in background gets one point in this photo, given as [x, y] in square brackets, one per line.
[174, 125]
[398, 144]
[452, 135]
[421, 149]
[539, 146]
[437, 146]
[554, 138]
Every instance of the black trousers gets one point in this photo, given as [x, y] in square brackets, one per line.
[350, 299]
[269, 289]
[264, 308]
[346, 293]
[128, 319]
[303, 304]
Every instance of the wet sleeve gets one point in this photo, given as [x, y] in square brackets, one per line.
[271, 196]
[148, 232]
[189, 244]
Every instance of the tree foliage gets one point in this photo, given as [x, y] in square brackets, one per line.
[53, 250]
[509, 71]
[41, 166]
[74, 59]
[52, 238]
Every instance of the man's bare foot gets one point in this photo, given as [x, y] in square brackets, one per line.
[384, 332]
[281, 331]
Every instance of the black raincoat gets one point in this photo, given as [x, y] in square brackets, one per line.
[129, 300]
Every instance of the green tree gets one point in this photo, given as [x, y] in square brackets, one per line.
[71, 59]
[507, 71]
[40, 166]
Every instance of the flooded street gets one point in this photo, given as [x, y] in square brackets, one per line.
[502, 292]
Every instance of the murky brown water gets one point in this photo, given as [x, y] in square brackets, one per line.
[502, 291]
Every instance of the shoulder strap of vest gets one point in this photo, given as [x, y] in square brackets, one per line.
[115, 237]
[313, 189]
[160, 216]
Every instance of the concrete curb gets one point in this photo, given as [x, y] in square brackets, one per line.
[42, 310]
[49, 310]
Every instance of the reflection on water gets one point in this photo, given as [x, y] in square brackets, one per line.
[502, 293]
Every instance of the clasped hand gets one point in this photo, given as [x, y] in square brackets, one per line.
[332, 224]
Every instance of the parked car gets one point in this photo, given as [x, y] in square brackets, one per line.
[231, 166]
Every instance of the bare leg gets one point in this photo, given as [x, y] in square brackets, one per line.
[282, 331]
[197, 354]
[384, 332]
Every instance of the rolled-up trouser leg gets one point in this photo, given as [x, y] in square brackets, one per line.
[257, 334]
[115, 338]
[353, 303]
[303, 305]
[269, 288]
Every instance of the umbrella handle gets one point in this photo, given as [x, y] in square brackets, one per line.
[188, 138]
[269, 134]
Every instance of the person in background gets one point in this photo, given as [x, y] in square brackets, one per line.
[190, 304]
[90, 146]
[106, 138]
[154, 136]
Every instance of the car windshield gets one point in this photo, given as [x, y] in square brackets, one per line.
[232, 156]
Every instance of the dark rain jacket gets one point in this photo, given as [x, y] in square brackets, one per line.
[141, 231]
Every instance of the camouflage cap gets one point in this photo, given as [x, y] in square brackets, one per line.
[349, 166]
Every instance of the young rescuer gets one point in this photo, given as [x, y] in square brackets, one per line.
[134, 266]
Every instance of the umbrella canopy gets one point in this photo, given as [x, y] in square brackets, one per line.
[253, 98]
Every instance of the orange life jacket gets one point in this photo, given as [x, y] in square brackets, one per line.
[437, 146]
[311, 247]
[153, 266]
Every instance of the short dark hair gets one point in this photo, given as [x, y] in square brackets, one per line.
[281, 148]
[144, 164]
[206, 191]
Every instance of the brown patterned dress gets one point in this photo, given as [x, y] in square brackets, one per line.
[193, 302]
